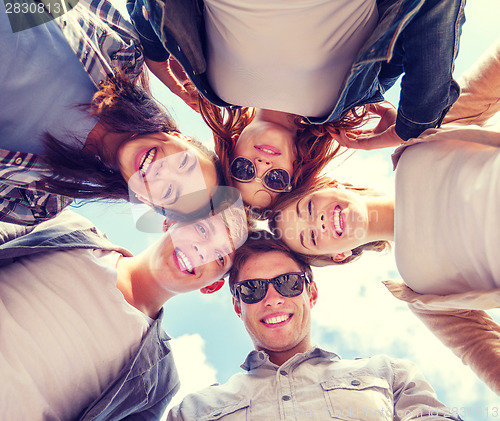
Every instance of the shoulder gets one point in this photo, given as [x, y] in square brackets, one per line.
[214, 401]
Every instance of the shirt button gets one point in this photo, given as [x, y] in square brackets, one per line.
[145, 13]
[355, 382]
[18, 160]
[284, 373]
[286, 398]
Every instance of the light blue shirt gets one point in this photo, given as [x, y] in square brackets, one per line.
[42, 83]
[317, 385]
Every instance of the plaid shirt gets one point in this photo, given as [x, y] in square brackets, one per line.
[102, 39]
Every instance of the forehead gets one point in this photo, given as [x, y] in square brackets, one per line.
[267, 265]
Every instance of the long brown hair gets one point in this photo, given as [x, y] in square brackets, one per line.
[283, 201]
[315, 143]
[124, 107]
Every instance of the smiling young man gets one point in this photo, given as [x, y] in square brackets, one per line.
[81, 334]
[287, 378]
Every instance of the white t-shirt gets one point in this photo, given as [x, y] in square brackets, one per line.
[65, 333]
[285, 55]
[447, 218]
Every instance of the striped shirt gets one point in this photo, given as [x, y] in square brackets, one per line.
[102, 40]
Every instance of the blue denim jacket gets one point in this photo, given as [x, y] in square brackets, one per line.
[395, 47]
[145, 386]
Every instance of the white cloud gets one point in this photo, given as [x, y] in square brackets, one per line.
[194, 371]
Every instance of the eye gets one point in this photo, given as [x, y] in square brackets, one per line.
[313, 238]
[220, 259]
[309, 207]
[202, 230]
[184, 161]
[169, 191]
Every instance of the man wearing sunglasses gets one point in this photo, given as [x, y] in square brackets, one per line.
[286, 377]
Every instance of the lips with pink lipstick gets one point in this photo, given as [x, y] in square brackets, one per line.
[337, 220]
[276, 319]
[268, 150]
[183, 262]
[146, 159]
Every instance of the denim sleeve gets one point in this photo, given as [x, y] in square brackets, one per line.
[428, 47]
[153, 48]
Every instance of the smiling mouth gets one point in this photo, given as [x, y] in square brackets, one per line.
[146, 161]
[276, 319]
[270, 150]
[338, 221]
[183, 262]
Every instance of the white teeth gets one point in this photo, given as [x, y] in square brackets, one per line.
[268, 151]
[146, 161]
[277, 319]
[337, 222]
[184, 261]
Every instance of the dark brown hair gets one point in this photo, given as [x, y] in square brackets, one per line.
[122, 106]
[259, 242]
[283, 202]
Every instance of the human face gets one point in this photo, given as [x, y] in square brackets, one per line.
[191, 256]
[162, 168]
[267, 145]
[277, 323]
[330, 221]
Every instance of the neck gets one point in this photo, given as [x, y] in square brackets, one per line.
[103, 142]
[135, 283]
[381, 218]
[281, 357]
[282, 118]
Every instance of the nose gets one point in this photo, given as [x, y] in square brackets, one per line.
[273, 297]
[262, 165]
[321, 221]
[200, 253]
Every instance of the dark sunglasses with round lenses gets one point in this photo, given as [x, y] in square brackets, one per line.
[252, 291]
[275, 179]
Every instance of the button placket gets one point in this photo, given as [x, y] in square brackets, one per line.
[285, 394]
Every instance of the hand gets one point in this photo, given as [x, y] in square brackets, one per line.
[383, 135]
[173, 77]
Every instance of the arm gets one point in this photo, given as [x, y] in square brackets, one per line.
[472, 335]
[173, 77]
[414, 398]
[480, 96]
[428, 47]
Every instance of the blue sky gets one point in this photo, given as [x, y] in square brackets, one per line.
[355, 315]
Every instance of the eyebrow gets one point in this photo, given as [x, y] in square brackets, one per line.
[297, 206]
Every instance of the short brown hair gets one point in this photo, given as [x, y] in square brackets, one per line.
[262, 241]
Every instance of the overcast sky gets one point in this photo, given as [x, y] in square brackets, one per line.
[355, 316]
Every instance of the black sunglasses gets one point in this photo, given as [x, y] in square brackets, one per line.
[252, 291]
[275, 179]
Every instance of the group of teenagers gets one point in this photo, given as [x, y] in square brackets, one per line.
[285, 87]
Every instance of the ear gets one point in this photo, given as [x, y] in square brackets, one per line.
[236, 306]
[339, 257]
[144, 200]
[210, 289]
[313, 294]
[180, 136]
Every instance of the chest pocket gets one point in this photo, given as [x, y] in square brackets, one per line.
[358, 398]
[237, 411]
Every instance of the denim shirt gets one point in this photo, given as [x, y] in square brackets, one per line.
[428, 89]
[145, 386]
[317, 385]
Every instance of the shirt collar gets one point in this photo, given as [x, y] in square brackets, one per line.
[256, 359]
